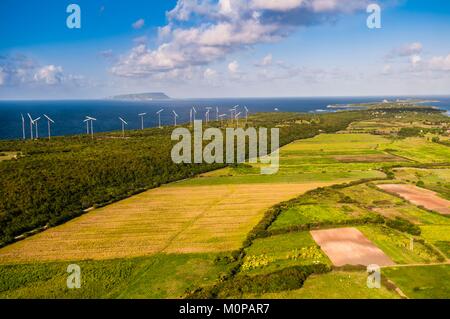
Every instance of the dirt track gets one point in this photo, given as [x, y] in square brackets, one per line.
[419, 196]
[348, 246]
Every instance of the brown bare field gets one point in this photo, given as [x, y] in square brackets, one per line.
[167, 219]
[419, 196]
[348, 246]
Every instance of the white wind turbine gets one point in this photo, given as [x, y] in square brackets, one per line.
[237, 119]
[208, 109]
[35, 121]
[123, 126]
[175, 115]
[141, 115]
[91, 121]
[159, 117]
[23, 125]
[231, 115]
[217, 113]
[49, 120]
[246, 114]
[31, 125]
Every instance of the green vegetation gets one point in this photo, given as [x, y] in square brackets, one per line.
[397, 245]
[439, 235]
[278, 258]
[158, 276]
[334, 285]
[266, 255]
[422, 282]
[56, 180]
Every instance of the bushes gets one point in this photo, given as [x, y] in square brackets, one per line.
[284, 279]
[404, 226]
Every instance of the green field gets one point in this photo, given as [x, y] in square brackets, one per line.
[334, 285]
[397, 245]
[438, 235]
[305, 214]
[423, 282]
[158, 276]
[276, 252]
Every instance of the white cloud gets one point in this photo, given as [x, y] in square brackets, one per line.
[19, 70]
[210, 74]
[233, 67]
[440, 63]
[266, 61]
[407, 50]
[218, 28]
[415, 60]
[387, 69]
[276, 5]
[2, 76]
[49, 74]
[138, 24]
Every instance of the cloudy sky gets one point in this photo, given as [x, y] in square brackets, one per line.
[223, 48]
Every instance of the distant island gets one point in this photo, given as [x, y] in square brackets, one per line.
[141, 97]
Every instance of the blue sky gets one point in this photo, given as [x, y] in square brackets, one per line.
[221, 48]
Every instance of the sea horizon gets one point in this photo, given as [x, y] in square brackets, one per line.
[69, 114]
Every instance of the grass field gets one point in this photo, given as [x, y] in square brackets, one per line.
[438, 235]
[167, 219]
[317, 213]
[419, 150]
[158, 276]
[273, 253]
[334, 285]
[397, 245]
[422, 282]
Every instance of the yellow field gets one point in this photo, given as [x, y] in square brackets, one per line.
[167, 219]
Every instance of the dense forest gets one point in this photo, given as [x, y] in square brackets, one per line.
[53, 181]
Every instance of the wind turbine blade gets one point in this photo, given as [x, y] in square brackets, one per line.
[142, 114]
[125, 122]
[31, 119]
[48, 118]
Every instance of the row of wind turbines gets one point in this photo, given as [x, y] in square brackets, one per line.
[89, 121]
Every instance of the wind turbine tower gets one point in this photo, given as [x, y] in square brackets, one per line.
[237, 119]
[246, 114]
[141, 115]
[23, 125]
[35, 121]
[175, 115]
[159, 117]
[123, 126]
[90, 120]
[31, 125]
[49, 120]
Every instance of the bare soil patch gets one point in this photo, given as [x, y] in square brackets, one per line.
[419, 196]
[348, 246]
